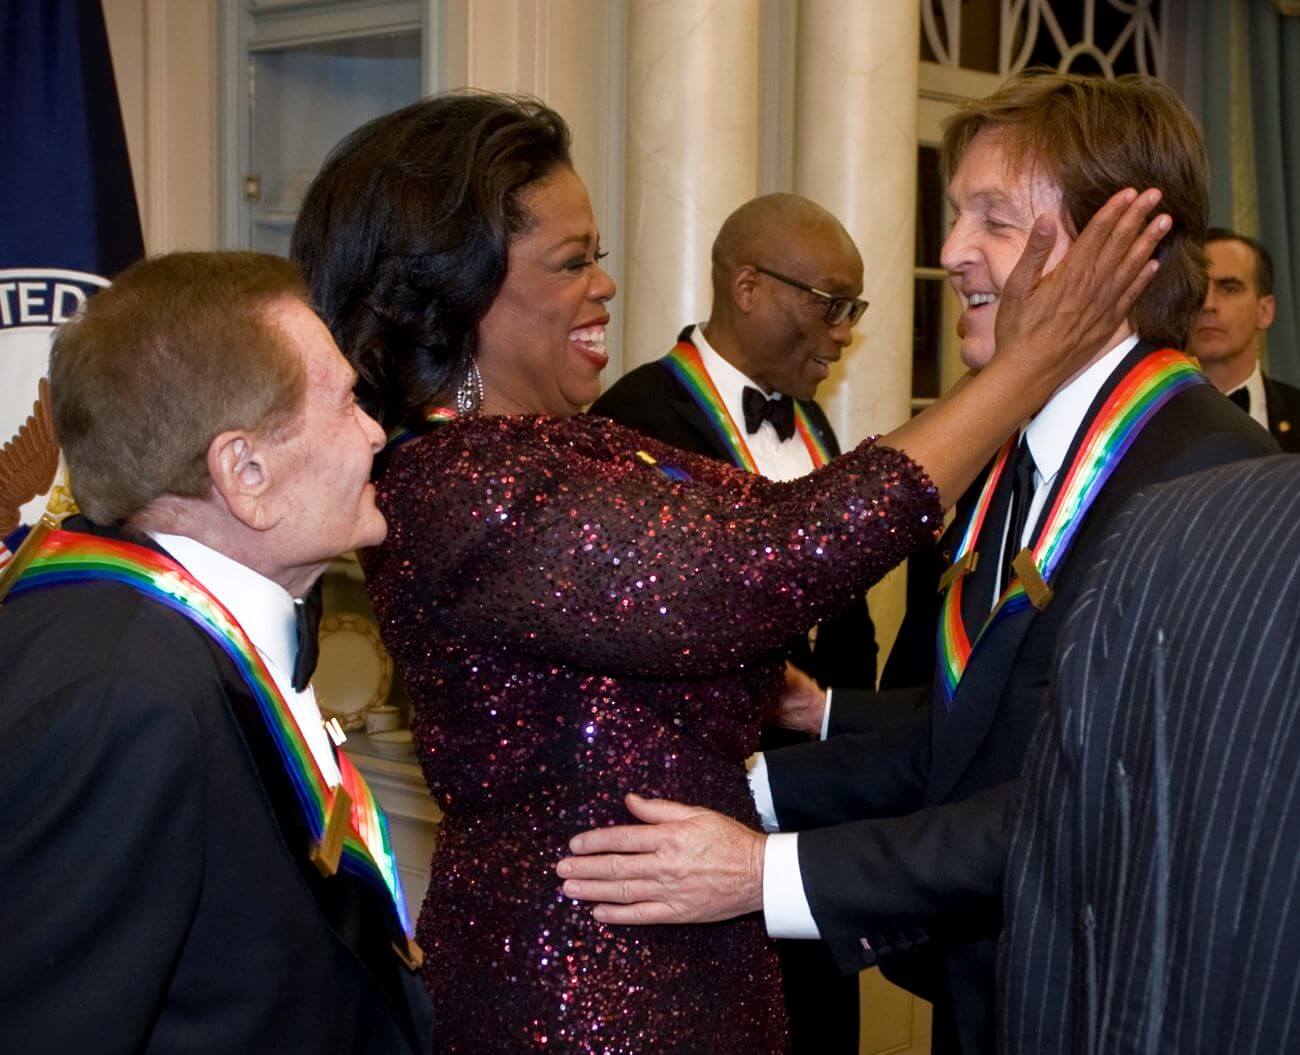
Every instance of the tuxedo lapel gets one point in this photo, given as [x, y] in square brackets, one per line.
[1139, 352]
[957, 739]
[961, 732]
[688, 410]
[966, 722]
[1281, 420]
[693, 414]
[980, 590]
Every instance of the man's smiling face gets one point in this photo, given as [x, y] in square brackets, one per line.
[994, 206]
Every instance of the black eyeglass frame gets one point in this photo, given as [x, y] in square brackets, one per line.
[835, 306]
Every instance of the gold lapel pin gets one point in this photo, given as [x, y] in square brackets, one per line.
[962, 567]
[325, 854]
[1036, 589]
[412, 956]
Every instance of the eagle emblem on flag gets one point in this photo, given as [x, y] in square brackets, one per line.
[28, 462]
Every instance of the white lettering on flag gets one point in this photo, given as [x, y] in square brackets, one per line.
[33, 303]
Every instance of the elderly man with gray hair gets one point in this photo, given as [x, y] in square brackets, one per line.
[187, 863]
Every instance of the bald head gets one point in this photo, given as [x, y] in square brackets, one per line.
[764, 230]
[778, 262]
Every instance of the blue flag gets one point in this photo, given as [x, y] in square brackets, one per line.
[68, 216]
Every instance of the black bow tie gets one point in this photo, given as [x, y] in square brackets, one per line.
[307, 613]
[758, 409]
[1241, 397]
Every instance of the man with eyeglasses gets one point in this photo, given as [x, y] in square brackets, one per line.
[741, 387]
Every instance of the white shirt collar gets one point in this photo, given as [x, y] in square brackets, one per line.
[727, 378]
[1050, 431]
[775, 458]
[263, 608]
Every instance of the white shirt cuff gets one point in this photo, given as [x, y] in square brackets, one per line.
[785, 905]
[826, 714]
[760, 789]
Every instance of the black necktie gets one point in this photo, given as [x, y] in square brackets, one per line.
[306, 613]
[1241, 397]
[1022, 497]
[758, 409]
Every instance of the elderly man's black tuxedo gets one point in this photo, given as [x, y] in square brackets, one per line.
[1151, 895]
[155, 887]
[905, 865]
[653, 401]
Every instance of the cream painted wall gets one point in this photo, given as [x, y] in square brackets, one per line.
[569, 53]
[165, 61]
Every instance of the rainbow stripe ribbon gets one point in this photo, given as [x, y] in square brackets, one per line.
[686, 364]
[1147, 386]
[430, 415]
[65, 558]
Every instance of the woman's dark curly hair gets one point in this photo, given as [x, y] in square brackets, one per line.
[404, 234]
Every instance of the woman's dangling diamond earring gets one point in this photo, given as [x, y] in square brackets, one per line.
[469, 393]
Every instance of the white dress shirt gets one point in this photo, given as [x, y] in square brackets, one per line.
[266, 612]
[1254, 386]
[776, 459]
[785, 903]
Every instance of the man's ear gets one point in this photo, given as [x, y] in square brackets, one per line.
[240, 474]
[1267, 311]
[744, 287]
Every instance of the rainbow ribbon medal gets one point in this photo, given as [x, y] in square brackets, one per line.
[348, 828]
[1143, 390]
[685, 364]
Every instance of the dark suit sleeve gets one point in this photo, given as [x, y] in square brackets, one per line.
[845, 651]
[103, 844]
[864, 711]
[880, 774]
[901, 883]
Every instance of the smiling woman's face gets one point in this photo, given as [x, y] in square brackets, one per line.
[541, 345]
[994, 208]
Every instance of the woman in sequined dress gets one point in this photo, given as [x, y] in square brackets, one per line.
[578, 611]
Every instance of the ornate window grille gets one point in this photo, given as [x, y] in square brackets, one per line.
[1108, 37]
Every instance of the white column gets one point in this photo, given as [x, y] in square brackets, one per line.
[855, 153]
[692, 155]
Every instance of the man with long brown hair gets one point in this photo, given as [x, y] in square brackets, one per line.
[901, 837]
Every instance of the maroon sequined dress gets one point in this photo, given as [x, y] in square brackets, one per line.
[572, 624]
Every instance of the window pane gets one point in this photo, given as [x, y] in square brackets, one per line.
[929, 207]
[975, 42]
[977, 34]
[927, 333]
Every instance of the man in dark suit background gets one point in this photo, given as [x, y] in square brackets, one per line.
[162, 885]
[1228, 337]
[901, 828]
[787, 280]
[1151, 887]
